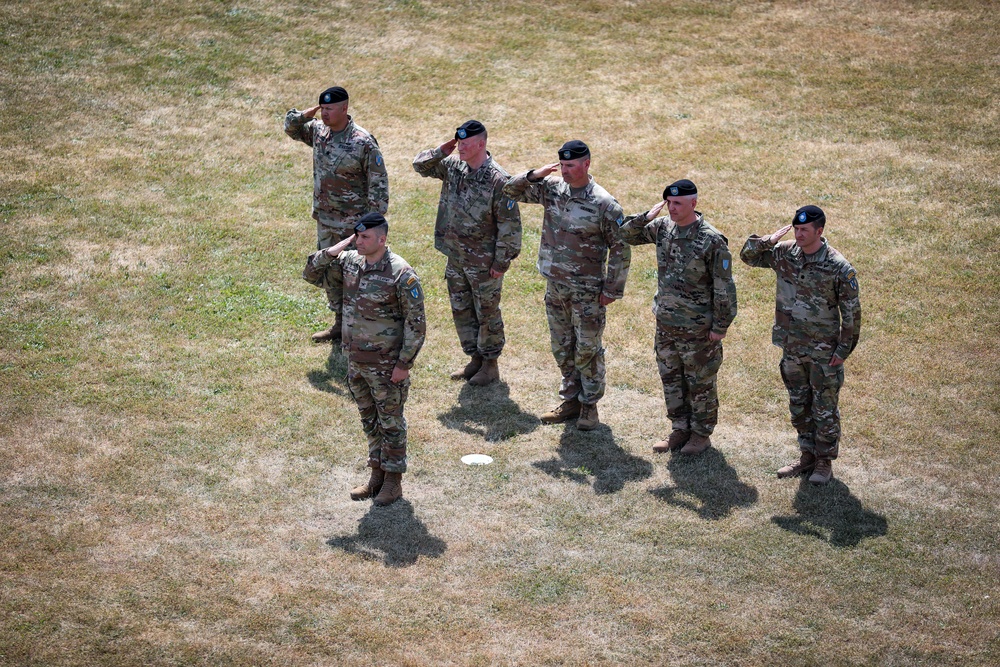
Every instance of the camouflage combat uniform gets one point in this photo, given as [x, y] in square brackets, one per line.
[582, 256]
[478, 228]
[695, 295]
[349, 180]
[817, 316]
[383, 327]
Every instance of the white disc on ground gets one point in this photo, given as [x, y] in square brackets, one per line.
[477, 459]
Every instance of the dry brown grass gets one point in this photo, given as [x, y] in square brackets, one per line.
[177, 455]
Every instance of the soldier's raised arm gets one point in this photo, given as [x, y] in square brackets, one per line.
[529, 187]
[638, 229]
[430, 162]
[297, 124]
[759, 250]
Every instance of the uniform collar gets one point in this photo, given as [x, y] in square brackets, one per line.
[587, 191]
[689, 231]
[816, 257]
[381, 264]
[483, 168]
[347, 128]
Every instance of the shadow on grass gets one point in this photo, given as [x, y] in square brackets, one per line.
[489, 413]
[393, 535]
[705, 484]
[333, 378]
[586, 455]
[830, 513]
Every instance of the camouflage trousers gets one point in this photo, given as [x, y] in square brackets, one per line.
[576, 325]
[329, 230]
[688, 364]
[475, 308]
[813, 392]
[380, 403]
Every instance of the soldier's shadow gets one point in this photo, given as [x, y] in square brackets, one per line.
[593, 457]
[832, 514]
[705, 484]
[393, 535]
[333, 377]
[488, 412]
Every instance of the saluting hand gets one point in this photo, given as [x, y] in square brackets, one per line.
[545, 171]
[311, 112]
[448, 146]
[775, 237]
[338, 247]
[655, 211]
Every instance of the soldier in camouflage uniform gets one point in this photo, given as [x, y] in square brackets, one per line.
[349, 180]
[582, 255]
[695, 304]
[384, 328]
[817, 324]
[479, 229]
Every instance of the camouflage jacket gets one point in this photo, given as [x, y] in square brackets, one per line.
[817, 311]
[477, 225]
[695, 291]
[581, 245]
[383, 307]
[349, 177]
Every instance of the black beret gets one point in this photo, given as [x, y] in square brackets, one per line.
[332, 95]
[369, 221]
[807, 214]
[469, 128]
[571, 150]
[680, 189]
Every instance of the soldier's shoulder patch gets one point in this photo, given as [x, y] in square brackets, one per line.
[412, 285]
[852, 279]
[378, 159]
[510, 204]
[621, 220]
[725, 264]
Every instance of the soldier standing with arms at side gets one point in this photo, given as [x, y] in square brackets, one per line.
[384, 330]
[817, 324]
[582, 256]
[695, 304]
[349, 180]
[479, 229]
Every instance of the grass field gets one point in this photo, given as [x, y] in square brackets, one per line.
[177, 454]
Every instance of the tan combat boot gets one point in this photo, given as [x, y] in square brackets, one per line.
[589, 420]
[371, 487]
[566, 411]
[392, 489]
[807, 461]
[822, 473]
[678, 438]
[471, 368]
[487, 374]
[331, 335]
[696, 444]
